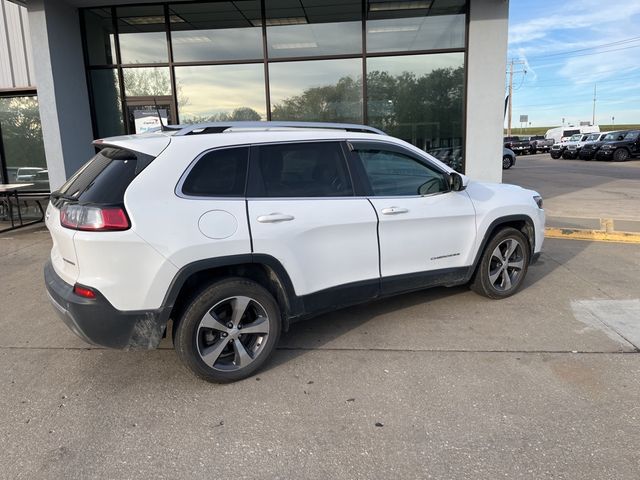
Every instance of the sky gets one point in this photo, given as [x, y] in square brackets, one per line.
[568, 47]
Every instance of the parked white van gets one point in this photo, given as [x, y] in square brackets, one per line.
[561, 134]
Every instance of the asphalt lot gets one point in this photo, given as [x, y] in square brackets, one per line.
[541, 385]
[581, 189]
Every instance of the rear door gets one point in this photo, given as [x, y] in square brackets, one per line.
[303, 211]
[426, 231]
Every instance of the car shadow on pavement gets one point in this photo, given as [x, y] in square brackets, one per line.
[325, 331]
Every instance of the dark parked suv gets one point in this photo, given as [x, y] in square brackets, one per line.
[590, 148]
[621, 150]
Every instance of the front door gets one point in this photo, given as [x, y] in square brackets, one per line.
[302, 211]
[426, 231]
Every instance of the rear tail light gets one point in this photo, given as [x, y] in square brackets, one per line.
[83, 291]
[93, 219]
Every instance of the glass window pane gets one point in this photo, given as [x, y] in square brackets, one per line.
[317, 90]
[418, 25]
[100, 40]
[216, 31]
[221, 173]
[147, 81]
[304, 28]
[304, 170]
[22, 141]
[106, 102]
[419, 98]
[395, 174]
[141, 31]
[221, 93]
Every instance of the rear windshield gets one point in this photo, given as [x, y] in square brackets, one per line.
[568, 133]
[103, 179]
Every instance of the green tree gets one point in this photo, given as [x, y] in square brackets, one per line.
[331, 103]
[239, 114]
[21, 132]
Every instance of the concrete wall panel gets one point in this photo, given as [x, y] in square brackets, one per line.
[486, 65]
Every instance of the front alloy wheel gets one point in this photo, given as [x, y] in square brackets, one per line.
[503, 265]
[506, 264]
[621, 155]
[228, 331]
[506, 162]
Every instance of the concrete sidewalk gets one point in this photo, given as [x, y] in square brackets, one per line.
[543, 384]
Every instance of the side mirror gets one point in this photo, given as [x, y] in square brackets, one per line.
[456, 183]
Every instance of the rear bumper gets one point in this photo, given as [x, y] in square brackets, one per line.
[96, 321]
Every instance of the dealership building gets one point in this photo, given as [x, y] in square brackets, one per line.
[428, 71]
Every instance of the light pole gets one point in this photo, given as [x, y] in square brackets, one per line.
[613, 121]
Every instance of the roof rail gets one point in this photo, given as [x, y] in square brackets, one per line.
[221, 127]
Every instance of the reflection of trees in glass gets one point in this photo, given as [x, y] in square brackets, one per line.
[407, 99]
[425, 110]
[150, 82]
[331, 103]
[22, 132]
[146, 82]
[239, 114]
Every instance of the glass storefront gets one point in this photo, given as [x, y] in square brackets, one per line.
[398, 66]
[21, 146]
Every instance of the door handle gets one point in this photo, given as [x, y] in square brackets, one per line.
[275, 218]
[394, 210]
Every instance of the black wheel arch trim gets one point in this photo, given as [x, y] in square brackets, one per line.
[293, 305]
[497, 223]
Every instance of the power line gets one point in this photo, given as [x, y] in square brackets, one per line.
[610, 44]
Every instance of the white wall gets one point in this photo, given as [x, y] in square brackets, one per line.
[62, 87]
[486, 65]
[16, 65]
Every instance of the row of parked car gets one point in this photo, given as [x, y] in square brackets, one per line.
[618, 146]
[531, 144]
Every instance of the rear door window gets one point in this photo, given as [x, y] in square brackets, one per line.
[310, 169]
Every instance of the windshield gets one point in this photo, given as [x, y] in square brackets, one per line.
[575, 138]
[593, 137]
[631, 135]
[611, 136]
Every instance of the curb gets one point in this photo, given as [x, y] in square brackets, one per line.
[594, 235]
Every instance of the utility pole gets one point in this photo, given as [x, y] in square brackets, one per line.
[511, 64]
[593, 119]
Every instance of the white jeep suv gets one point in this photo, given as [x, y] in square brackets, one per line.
[234, 231]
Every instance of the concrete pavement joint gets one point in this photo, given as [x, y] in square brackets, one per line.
[342, 349]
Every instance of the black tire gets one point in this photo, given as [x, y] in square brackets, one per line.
[485, 282]
[507, 162]
[555, 156]
[621, 155]
[195, 339]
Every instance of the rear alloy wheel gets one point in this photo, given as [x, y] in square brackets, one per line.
[621, 155]
[229, 330]
[503, 265]
[507, 162]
